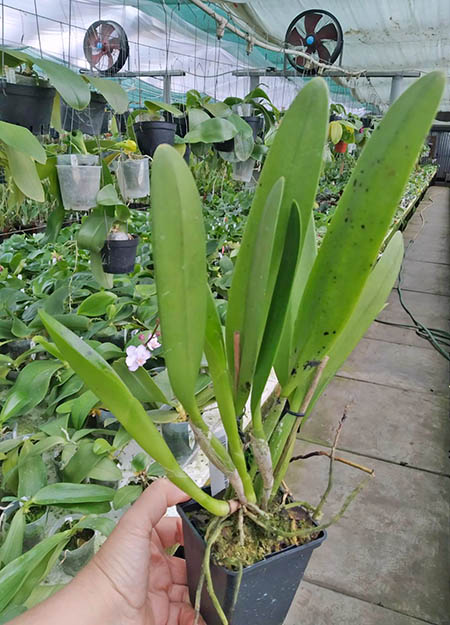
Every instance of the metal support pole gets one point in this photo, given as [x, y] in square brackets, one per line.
[166, 88]
[254, 81]
[396, 87]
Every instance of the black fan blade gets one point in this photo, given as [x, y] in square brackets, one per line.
[95, 58]
[327, 32]
[311, 21]
[300, 61]
[323, 53]
[295, 38]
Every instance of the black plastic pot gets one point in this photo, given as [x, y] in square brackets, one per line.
[181, 124]
[121, 120]
[27, 105]
[119, 256]
[89, 120]
[267, 587]
[151, 134]
[256, 124]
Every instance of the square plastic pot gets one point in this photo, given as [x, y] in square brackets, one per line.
[29, 106]
[180, 439]
[119, 256]
[133, 178]
[243, 170]
[79, 185]
[267, 588]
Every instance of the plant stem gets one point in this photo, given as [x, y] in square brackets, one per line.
[288, 447]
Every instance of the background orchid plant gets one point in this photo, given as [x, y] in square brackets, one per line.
[290, 307]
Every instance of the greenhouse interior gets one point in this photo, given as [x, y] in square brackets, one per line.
[224, 312]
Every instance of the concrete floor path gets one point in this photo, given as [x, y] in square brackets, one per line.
[386, 562]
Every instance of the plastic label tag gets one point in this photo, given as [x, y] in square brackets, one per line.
[218, 480]
[10, 74]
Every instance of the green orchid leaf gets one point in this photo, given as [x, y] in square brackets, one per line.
[22, 575]
[65, 493]
[22, 140]
[180, 258]
[13, 543]
[95, 305]
[99, 376]
[100, 524]
[81, 407]
[70, 85]
[154, 106]
[256, 290]
[362, 218]
[94, 229]
[212, 130]
[107, 196]
[126, 495]
[32, 471]
[140, 383]
[23, 171]
[29, 389]
[114, 94]
[278, 306]
[296, 154]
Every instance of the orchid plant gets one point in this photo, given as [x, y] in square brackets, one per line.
[290, 307]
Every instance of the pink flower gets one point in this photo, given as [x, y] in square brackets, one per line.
[136, 357]
[153, 343]
[142, 337]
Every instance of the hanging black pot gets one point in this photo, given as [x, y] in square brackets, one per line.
[151, 134]
[267, 588]
[121, 120]
[256, 124]
[27, 105]
[119, 256]
[181, 126]
[89, 120]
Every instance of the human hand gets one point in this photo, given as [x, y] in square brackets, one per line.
[143, 585]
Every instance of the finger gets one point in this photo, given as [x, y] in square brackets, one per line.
[152, 505]
[178, 593]
[177, 568]
[182, 614]
[170, 531]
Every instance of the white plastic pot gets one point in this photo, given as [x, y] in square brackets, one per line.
[133, 178]
[79, 185]
[243, 170]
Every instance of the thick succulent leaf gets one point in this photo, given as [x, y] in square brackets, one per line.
[362, 218]
[99, 376]
[212, 130]
[23, 171]
[29, 389]
[284, 357]
[296, 154]
[373, 297]
[19, 577]
[64, 492]
[140, 383]
[13, 543]
[70, 85]
[22, 140]
[252, 291]
[180, 263]
[279, 305]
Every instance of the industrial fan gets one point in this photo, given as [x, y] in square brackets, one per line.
[106, 47]
[318, 33]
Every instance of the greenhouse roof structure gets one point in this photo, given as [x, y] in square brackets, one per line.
[179, 35]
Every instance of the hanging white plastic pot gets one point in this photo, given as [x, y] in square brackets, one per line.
[133, 178]
[79, 180]
[243, 170]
